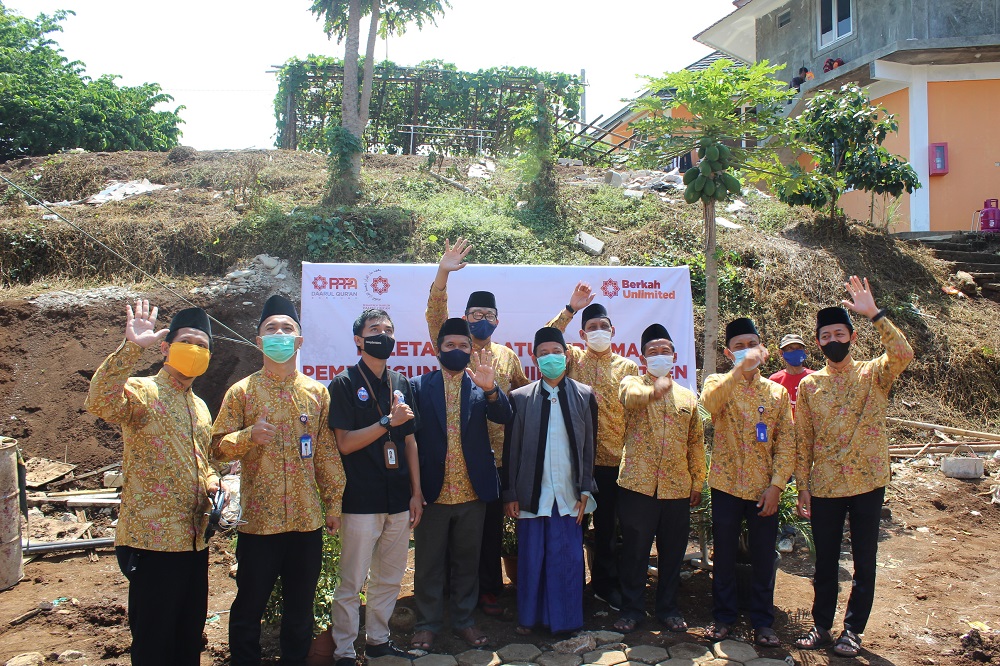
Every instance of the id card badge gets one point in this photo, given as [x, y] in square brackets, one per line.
[391, 454]
[306, 446]
[761, 427]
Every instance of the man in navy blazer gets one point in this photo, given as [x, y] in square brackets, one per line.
[458, 476]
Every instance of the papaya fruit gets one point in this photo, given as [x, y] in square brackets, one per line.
[706, 168]
[706, 199]
[701, 153]
[691, 195]
[716, 166]
[731, 182]
[724, 152]
[699, 182]
[712, 153]
[705, 141]
[721, 194]
[690, 175]
[709, 188]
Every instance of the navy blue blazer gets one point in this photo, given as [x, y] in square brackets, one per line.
[432, 435]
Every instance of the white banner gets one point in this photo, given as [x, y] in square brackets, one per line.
[528, 297]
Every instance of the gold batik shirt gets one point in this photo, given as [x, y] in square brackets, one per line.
[166, 432]
[742, 465]
[604, 374]
[457, 486]
[843, 448]
[509, 371]
[664, 453]
[281, 491]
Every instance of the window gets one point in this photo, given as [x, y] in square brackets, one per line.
[784, 18]
[834, 20]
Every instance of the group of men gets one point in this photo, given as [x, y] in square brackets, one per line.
[451, 452]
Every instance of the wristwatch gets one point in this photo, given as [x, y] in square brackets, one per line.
[492, 391]
[570, 309]
[384, 422]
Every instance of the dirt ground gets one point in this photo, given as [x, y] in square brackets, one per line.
[938, 565]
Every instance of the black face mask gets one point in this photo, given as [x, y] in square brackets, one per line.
[455, 359]
[836, 351]
[379, 346]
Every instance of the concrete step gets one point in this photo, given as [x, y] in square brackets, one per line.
[983, 278]
[971, 246]
[968, 257]
[969, 267]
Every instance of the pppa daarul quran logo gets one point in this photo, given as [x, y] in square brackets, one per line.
[342, 286]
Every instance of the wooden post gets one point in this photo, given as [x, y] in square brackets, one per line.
[711, 295]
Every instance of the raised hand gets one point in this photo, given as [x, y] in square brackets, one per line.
[485, 374]
[582, 296]
[662, 386]
[262, 431]
[400, 412]
[140, 325]
[756, 356]
[453, 258]
[862, 301]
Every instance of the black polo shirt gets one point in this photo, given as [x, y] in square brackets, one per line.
[371, 487]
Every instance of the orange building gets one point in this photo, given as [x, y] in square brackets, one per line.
[934, 65]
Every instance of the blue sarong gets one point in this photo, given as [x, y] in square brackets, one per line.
[550, 572]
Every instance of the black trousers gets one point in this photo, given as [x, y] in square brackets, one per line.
[728, 513]
[167, 604]
[643, 519]
[295, 557]
[490, 576]
[828, 514]
[604, 572]
[446, 547]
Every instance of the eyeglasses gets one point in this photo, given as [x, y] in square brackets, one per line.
[479, 316]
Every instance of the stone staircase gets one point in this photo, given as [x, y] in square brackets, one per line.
[977, 254]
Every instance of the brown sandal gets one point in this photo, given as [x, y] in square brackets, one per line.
[717, 631]
[848, 645]
[625, 625]
[473, 635]
[423, 640]
[816, 638]
[765, 637]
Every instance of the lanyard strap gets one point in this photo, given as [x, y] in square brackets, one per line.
[372, 391]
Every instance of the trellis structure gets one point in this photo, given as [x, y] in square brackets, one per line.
[489, 106]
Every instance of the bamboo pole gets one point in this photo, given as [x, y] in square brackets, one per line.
[951, 431]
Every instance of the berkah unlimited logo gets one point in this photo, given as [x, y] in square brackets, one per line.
[610, 288]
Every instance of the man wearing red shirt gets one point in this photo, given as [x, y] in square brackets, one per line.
[793, 354]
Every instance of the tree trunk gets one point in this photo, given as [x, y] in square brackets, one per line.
[350, 117]
[711, 295]
[369, 71]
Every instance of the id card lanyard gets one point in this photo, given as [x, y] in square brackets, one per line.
[761, 426]
[390, 453]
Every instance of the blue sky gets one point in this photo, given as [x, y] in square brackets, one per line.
[212, 55]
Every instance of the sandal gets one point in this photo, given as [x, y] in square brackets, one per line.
[625, 625]
[423, 640]
[765, 637]
[848, 645]
[522, 630]
[717, 631]
[675, 623]
[473, 635]
[814, 640]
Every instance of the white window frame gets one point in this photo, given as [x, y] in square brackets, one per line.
[834, 35]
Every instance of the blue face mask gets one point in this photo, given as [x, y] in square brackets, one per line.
[738, 356]
[794, 358]
[279, 348]
[455, 359]
[552, 366]
[482, 329]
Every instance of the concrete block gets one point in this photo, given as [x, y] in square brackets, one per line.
[734, 650]
[435, 660]
[559, 659]
[589, 244]
[585, 642]
[606, 637]
[647, 654]
[614, 179]
[518, 652]
[601, 657]
[113, 479]
[694, 652]
[479, 658]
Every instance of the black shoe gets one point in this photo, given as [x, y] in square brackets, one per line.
[386, 649]
[346, 661]
[611, 597]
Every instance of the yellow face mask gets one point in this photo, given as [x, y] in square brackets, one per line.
[189, 360]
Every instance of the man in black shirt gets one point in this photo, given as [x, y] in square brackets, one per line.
[372, 418]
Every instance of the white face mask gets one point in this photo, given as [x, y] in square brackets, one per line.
[599, 340]
[660, 366]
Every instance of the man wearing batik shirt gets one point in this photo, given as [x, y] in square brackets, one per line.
[483, 317]
[603, 370]
[459, 477]
[662, 472]
[752, 459]
[275, 423]
[160, 540]
[843, 460]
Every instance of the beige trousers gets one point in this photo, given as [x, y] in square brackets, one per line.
[373, 547]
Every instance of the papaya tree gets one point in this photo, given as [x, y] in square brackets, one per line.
[842, 131]
[342, 19]
[733, 117]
